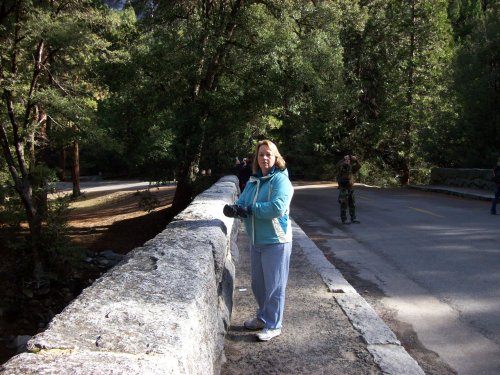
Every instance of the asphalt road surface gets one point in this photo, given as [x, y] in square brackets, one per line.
[435, 257]
[100, 185]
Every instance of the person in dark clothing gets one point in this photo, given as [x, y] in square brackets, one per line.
[237, 166]
[496, 180]
[245, 171]
[346, 168]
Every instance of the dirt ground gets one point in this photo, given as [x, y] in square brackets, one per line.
[98, 221]
[114, 220]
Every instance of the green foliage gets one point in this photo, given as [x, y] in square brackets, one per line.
[376, 172]
[60, 255]
[12, 213]
[50, 89]
[476, 83]
[58, 252]
[148, 202]
[188, 85]
[401, 61]
[320, 78]
[420, 176]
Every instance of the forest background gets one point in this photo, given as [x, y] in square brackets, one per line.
[163, 90]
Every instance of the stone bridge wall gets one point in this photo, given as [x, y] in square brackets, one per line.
[463, 177]
[164, 309]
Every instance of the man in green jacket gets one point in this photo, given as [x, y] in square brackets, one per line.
[346, 168]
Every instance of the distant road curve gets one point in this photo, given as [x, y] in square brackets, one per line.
[103, 185]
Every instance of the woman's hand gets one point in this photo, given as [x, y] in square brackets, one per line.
[233, 210]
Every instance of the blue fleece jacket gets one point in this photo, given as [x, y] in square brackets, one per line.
[269, 198]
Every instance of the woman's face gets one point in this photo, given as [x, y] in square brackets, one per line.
[266, 159]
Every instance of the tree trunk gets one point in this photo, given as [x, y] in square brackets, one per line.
[22, 184]
[76, 170]
[183, 191]
[194, 135]
[408, 130]
[35, 225]
[62, 173]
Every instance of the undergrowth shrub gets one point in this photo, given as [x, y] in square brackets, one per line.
[377, 173]
[148, 202]
[60, 254]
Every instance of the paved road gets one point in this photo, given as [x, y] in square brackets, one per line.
[436, 258]
[104, 185]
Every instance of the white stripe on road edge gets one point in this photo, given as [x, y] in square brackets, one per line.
[385, 348]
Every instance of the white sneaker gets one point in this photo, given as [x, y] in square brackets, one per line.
[268, 333]
[254, 324]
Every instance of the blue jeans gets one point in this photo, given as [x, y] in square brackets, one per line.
[495, 200]
[270, 266]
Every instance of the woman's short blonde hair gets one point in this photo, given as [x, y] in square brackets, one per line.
[280, 162]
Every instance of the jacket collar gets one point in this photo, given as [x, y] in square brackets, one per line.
[270, 174]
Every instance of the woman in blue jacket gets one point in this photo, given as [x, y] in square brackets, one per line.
[264, 206]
